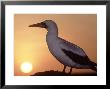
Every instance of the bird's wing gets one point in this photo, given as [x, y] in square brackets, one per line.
[75, 53]
[82, 60]
[71, 47]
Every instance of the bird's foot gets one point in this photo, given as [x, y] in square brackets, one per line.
[63, 71]
[69, 73]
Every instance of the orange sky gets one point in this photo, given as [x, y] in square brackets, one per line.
[30, 43]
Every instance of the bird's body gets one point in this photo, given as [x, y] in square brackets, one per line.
[57, 52]
[57, 46]
[65, 52]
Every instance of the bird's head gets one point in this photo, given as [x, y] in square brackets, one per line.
[45, 24]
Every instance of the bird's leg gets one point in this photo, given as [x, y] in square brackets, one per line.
[70, 70]
[64, 68]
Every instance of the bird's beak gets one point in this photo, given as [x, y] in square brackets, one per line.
[42, 25]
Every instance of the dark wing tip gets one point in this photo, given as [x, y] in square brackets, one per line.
[83, 60]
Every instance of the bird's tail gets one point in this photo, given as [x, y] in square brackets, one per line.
[92, 63]
[94, 68]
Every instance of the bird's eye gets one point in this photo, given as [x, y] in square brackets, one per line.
[44, 25]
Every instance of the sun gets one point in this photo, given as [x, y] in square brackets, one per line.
[26, 67]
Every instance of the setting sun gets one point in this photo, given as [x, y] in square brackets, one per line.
[26, 67]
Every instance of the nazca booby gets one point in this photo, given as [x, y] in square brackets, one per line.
[65, 52]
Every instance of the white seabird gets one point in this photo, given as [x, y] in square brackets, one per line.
[65, 52]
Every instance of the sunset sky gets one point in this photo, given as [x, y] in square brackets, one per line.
[30, 43]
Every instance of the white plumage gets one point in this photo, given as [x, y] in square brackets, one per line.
[65, 52]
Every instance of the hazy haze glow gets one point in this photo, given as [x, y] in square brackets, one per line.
[30, 43]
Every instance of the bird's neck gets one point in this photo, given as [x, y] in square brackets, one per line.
[53, 31]
[51, 37]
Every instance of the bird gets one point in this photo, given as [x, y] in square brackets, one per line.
[67, 53]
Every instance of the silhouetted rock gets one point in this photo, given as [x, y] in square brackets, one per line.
[59, 73]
